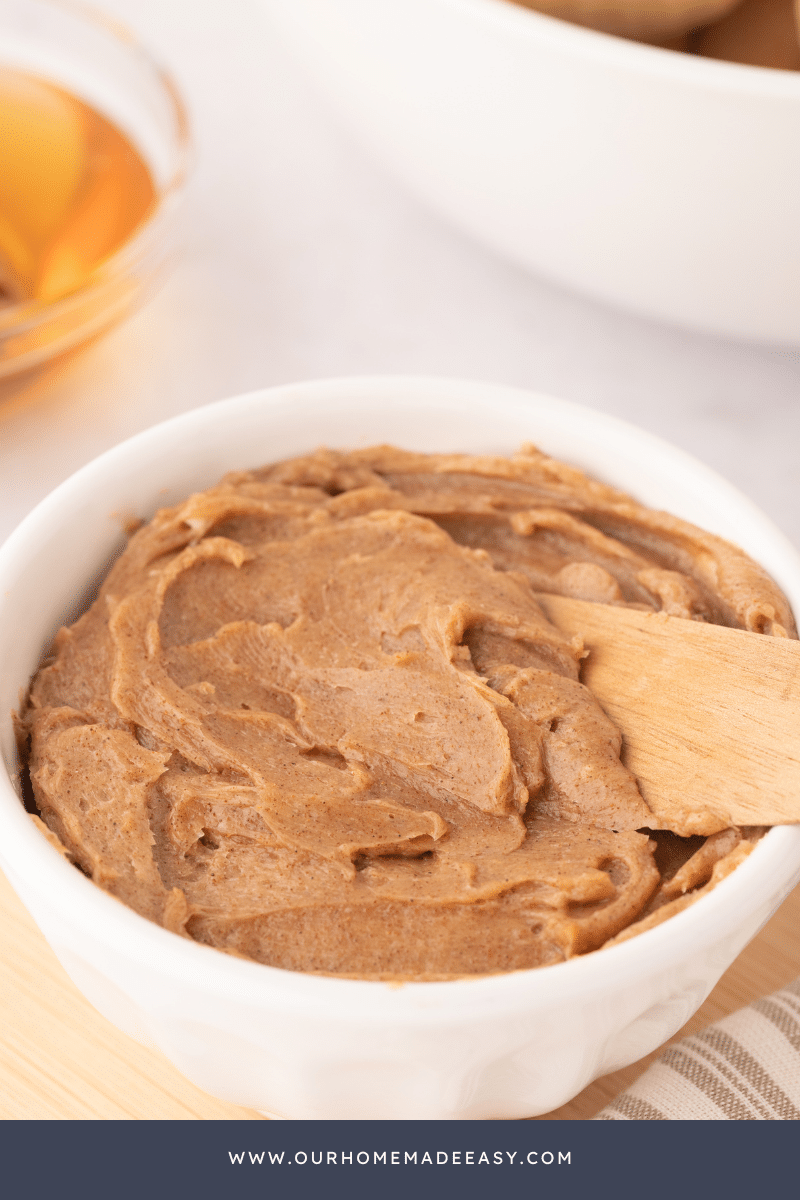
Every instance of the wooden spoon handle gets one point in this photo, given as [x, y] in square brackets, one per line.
[710, 716]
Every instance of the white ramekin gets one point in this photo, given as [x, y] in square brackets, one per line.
[659, 181]
[302, 1046]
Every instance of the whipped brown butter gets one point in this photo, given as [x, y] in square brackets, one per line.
[316, 716]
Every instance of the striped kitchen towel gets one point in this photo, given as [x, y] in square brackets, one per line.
[745, 1067]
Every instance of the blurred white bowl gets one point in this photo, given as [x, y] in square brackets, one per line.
[312, 1047]
[662, 182]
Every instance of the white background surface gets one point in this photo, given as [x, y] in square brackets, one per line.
[303, 259]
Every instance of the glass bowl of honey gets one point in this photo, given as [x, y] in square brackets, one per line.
[94, 149]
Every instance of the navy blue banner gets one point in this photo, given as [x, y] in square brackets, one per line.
[161, 1160]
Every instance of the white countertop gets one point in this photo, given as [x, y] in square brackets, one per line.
[304, 259]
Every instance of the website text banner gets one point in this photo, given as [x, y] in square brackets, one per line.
[151, 1160]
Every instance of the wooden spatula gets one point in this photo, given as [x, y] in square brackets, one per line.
[710, 716]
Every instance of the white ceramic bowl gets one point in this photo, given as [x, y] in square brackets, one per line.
[310, 1047]
[663, 182]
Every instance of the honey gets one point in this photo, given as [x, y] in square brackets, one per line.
[72, 189]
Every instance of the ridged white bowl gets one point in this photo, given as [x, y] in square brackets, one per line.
[302, 1046]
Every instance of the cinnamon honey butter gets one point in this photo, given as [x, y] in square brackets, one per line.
[317, 718]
